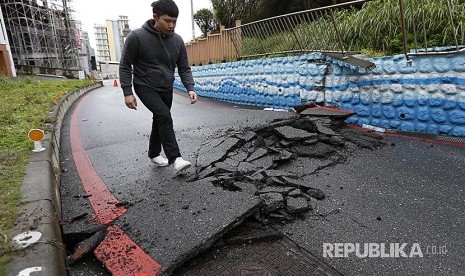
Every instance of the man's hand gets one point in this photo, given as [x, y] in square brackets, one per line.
[193, 97]
[130, 101]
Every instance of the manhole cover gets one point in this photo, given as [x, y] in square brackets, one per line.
[253, 269]
[278, 258]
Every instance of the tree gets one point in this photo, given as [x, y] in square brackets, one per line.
[205, 21]
[270, 8]
[228, 11]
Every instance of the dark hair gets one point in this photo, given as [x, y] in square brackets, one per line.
[162, 7]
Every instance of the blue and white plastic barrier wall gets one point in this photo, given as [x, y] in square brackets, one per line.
[427, 96]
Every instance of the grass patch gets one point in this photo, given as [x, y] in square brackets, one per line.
[24, 105]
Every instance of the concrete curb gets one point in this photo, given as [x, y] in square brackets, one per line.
[40, 206]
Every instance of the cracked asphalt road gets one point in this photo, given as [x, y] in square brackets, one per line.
[408, 192]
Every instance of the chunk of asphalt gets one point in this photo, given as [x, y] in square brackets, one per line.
[78, 217]
[316, 193]
[223, 166]
[209, 171]
[276, 150]
[79, 230]
[311, 141]
[296, 205]
[251, 233]
[293, 134]
[364, 140]
[274, 173]
[274, 181]
[215, 151]
[246, 167]
[332, 140]
[305, 165]
[260, 152]
[232, 162]
[333, 114]
[246, 187]
[305, 124]
[238, 155]
[272, 201]
[263, 129]
[220, 211]
[281, 214]
[227, 183]
[281, 190]
[306, 187]
[319, 150]
[270, 142]
[280, 155]
[286, 143]
[246, 135]
[265, 162]
[256, 177]
[86, 246]
[284, 156]
[295, 193]
[324, 130]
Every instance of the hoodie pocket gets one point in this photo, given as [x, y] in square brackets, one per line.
[160, 78]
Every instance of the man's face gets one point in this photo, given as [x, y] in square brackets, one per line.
[165, 23]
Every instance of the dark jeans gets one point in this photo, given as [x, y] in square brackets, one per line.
[162, 125]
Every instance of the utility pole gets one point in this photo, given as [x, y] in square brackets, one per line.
[192, 18]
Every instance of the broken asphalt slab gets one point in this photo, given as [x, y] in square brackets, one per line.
[174, 219]
[171, 219]
[179, 229]
[265, 161]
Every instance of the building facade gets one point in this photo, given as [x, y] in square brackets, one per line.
[109, 39]
[7, 67]
[42, 33]
[101, 43]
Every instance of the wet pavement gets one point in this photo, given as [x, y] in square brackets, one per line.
[305, 176]
[407, 192]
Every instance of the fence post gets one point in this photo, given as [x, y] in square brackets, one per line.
[404, 35]
[222, 43]
[239, 40]
[209, 49]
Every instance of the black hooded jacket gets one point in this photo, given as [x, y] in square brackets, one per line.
[149, 58]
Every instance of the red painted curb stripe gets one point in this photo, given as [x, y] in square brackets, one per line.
[102, 200]
[123, 257]
[117, 251]
[414, 138]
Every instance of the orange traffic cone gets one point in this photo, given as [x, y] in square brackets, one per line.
[115, 83]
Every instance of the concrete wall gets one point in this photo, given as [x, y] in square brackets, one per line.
[428, 96]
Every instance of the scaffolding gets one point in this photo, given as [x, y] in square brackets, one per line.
[42, 33]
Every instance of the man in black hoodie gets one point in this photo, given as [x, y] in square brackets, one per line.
[148, 61]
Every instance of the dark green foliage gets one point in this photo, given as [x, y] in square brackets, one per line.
[375, 29]
[204, 19]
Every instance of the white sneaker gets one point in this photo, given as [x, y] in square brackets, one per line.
[181, 165]
[160, 161]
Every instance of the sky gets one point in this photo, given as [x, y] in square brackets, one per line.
[91, 12]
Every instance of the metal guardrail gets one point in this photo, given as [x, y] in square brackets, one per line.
[416, 24]
[314, 30]
[339, 30]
